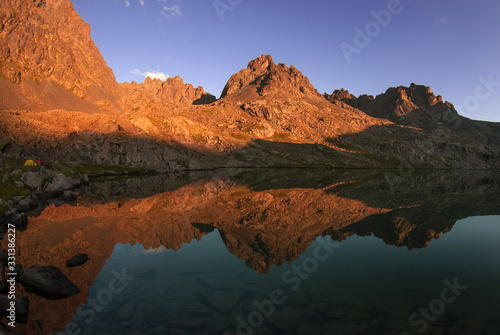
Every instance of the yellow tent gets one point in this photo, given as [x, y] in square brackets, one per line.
[30, 162]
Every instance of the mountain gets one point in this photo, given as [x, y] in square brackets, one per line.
[154, 92]
[415, 106]
[263, 78]
[59, 99]
[49, 61]
[46, 48]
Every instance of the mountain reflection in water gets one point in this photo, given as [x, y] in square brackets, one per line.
[204, 251]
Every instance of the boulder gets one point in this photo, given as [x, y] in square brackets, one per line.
[77, 260]
[48, 281]
[18, 184]
[16, 172]
[24, 204]
[32, 180]
[84, 178]
[22, 305]
[126, 311]
[59, 184]
[18, 219]
[69, 196]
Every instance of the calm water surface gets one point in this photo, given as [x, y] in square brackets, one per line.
[281, 253]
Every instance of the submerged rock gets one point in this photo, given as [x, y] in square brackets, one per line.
[49, 281]
[77, 260]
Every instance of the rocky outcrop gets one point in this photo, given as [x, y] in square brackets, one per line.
[46, 40]
[154, 92]
[263, 77]
[416, 105]
[350, 99]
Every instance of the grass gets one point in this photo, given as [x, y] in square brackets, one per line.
[9, 190]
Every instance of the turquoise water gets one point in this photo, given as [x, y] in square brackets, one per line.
[357, 286]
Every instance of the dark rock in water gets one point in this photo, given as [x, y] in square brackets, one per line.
[126, 311]
[48, 281]
[69, 196]
[77, 260]
[24, 204]
[59, 184]
[18, 219]
[22, 305]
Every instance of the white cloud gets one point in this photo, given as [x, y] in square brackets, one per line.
[174, 10]
[444, 20]
[127, 3]
[153, 75]
[142, 2]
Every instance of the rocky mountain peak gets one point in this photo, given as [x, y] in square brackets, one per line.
[171, 91]
[45, 40]
[263, 77]
[415, 105]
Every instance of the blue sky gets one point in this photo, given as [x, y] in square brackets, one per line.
[453, 46]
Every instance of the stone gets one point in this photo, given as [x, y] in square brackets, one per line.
[18, 219]
[77, 260]
[5, 178]
[48, 281]
[22, 304]
[32, 180]
[126, 311]
[16, 172]
[24, 204]
[224, 302]
[84, 178]
[59, 184]
[189, 323]
[18, 184]
[69, 196]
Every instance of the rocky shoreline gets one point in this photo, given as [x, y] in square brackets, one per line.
[45, 185]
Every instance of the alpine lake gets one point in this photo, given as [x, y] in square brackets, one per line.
[273, 252]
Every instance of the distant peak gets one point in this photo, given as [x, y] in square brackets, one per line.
[263, 77]
[261, 62]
